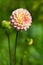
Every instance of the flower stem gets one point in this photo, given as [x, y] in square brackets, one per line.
[21, 62]
[9, 48]
[15, 48]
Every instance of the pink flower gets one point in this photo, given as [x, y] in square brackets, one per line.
[21, 19]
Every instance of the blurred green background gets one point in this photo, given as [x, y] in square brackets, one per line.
[26, 54]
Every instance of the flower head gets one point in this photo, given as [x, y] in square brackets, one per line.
[21, 19]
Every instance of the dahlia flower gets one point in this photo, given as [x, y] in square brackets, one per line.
[21, 19]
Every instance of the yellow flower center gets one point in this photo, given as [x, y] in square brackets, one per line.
[19, 17]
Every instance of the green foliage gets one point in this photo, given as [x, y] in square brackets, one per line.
[26, 54]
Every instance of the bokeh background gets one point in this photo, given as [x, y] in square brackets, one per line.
[30, 42]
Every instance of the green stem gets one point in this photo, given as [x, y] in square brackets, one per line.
[9, 48]
[15, 48]
[21, 62]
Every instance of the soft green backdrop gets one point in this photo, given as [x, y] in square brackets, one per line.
[33, 53]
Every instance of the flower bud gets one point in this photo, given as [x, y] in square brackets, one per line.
[30, 41]
[6, 24]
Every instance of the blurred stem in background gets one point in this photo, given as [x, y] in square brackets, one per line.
[10, 57]
[15, 48]
[22, 61]
[6, 26]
